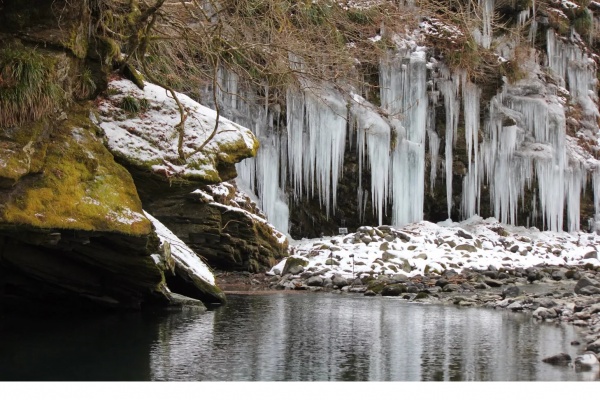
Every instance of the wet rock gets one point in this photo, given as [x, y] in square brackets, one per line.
[315, 281]
[515, 306]
[441, 282]
[591, 254]
[394, 290]
[558, 275]
[339, 281]
[585, 282]
[575, 343]
[594, 346]
[451, 287]
[558, 359]
[370, 293]
[544, 313]
[490, 274]
[492, 282]
[511, 291]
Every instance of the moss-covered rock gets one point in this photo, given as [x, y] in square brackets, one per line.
[79, 185]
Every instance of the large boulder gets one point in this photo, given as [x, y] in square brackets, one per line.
[586, 285]
[294, 265]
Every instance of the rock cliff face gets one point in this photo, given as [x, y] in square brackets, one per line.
[73, 233]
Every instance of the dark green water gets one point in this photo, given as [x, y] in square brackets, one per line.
[278, 337]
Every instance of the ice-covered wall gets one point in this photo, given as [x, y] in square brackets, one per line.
[518, 149]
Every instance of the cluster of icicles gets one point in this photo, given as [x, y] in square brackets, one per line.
[524, 142]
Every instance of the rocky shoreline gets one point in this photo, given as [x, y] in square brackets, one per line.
[553, 294]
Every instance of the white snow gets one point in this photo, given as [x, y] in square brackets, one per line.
[149, 138]
[181, 253]
[437, 247]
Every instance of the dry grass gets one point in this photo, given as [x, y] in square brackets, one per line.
[27, 86]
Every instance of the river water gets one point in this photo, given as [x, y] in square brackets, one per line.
[285, 337]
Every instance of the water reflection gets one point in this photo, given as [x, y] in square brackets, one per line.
[328, 337]
[290, 337]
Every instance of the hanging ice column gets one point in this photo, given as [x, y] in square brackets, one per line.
[471, 99]
[259, 176]
[373, 135]
[449, 86]
[404, 98]
[484, 38]
[316, 120]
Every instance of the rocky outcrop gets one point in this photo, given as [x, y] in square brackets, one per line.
[142, 131]
[222, 225]
[72, 231]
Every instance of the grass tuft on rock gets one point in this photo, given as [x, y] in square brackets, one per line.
[27, 86]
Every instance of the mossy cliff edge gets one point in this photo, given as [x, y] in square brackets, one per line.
[73, 233]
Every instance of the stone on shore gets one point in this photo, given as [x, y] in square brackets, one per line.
[584, 283]
[294, 265]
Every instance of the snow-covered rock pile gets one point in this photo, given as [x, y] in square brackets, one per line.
[424, 248]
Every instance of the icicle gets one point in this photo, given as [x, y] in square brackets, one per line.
[295, 128]
[259, 176]
[596, 187]
[373, 138]
[324, 144]
[487, 17]
[434, 150]
[470, 193]
[404, 97]
[449, 87]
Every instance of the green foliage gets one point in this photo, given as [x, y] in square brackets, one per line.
[130, 104]
[85, 84]
[28, 88]
[583, 23]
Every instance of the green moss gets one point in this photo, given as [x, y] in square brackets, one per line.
[78, 43]
[81, 186]
[23, 150]
[28, 88]
[376, 286]
[106, 49]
